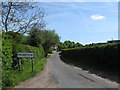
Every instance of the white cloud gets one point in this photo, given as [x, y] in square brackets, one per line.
[97, 17]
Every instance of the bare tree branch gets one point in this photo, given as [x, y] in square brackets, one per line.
[6, 24]
[15, 16]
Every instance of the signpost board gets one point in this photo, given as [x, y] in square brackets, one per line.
[25, 55]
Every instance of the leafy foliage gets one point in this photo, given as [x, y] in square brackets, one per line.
[46, 38]
[35, 37]
[10, 60]
[69, 44]
[7, 59]
[101, 55]
[50, 39]
[16, 37]
[7, 52]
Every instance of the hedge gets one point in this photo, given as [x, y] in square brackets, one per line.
[10, 50]
[38, 52]
[105, 56]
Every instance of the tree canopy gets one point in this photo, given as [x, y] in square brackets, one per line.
[69, 44]
[46, 38]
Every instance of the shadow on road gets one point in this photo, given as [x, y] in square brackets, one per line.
[113, 76]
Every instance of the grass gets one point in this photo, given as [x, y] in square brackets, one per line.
[26, 73]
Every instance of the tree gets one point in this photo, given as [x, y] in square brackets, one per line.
[61, 46]
[46, 38]
[78, 45]
[17, 37]
[35, 37]
[17, 16]
[69, 44]
[50, 39]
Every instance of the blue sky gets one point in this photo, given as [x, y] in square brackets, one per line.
[84, 22]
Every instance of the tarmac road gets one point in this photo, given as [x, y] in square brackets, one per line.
[70, 77]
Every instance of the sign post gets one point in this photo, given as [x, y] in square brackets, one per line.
[26, 55]
[19, 64]
[32, 64]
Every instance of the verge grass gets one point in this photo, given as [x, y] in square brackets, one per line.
[26, 73]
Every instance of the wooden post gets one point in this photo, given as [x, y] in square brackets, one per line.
[32, 64]
[19, 63]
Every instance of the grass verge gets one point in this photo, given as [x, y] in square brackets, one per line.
[26, 73]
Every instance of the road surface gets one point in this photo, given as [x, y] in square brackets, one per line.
[57, 74]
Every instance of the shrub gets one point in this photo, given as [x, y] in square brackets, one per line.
[7, 51]
[38, 52]
[6, 59]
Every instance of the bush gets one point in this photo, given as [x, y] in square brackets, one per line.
[8, 79]
[7, 52]
[7, 43]
[38, 52]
